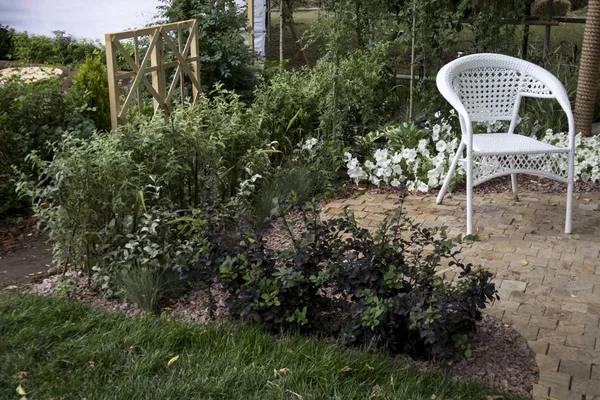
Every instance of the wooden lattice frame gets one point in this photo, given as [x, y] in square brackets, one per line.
[187, 63]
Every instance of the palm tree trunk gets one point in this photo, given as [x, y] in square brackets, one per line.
[589, 67]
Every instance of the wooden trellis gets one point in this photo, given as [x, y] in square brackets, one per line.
[186, 61]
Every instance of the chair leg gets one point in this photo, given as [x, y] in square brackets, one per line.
[469, 195]
[448, 178]
[569, 213]
[513, 178]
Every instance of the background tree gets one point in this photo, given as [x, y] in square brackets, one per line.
[224, 56]
[588, 73]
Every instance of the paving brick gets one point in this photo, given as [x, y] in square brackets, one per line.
[542, 322]
[512, 318]
[514, 285]
[555, 379]
[558, 314]
[588, 356]
[495, 312]
[563, 394]
[547, 363]
[581, 341]
[589, 387]
[563, 352]
[540, 392]
[527, 331]
[551, 336]
[585, 318]
[538, 347]
[578, 307]
[570, 328]
[523, 297]
[596, 372]
[532, 309]
[575, 368]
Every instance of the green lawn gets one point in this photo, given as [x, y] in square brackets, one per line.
[71, 351]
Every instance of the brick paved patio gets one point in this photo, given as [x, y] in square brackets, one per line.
[549, 282]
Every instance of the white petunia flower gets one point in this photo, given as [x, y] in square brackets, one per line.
[309, 144]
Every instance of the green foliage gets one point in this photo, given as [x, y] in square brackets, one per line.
[61, 49]
[335, 101]
[32, 115]
[224, 56]
[379, 287]
[65, 285]
[283, 182]
[6, 42]
[90, 84]
[92, 353]
[150, 287]
[112, 202]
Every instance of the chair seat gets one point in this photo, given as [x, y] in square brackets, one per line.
[508, 143]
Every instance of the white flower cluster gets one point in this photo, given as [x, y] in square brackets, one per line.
[587, 154]
[420, 168]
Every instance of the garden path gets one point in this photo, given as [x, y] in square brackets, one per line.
[549, 282]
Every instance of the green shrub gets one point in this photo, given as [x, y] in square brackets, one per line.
[149, 288]
[336, 101]
[379, 287]
[61, 49]
[280, 185]
[33, 115]
[112, 202]
[6, 42]
[90, 84]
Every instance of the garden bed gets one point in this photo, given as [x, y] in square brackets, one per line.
[501, 357]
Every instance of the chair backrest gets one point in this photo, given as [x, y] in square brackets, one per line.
[490, 86]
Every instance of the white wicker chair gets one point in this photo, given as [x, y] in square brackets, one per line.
[489, 87]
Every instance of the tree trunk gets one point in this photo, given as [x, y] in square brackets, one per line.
[589, 67]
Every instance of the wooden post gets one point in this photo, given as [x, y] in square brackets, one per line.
[158, 75]
[113, 83]
[137, 62]
[548, 27]
[412, 66]
[180, 47]
[194, 55]
[281, 25]
[250, 5]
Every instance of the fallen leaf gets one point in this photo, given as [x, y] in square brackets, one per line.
[367, 366]
[572, 295]
[39, 273]
[21, 391]
[345, 369]
[525, 263]
[172, 360]
[11, 287]
[374, 390]
[577, 197]
[295, 394]
[91, 364]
